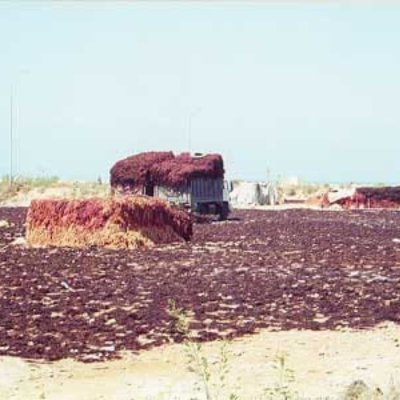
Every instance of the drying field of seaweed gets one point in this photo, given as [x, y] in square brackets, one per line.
[294, 269]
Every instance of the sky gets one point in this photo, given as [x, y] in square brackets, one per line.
[288, 89]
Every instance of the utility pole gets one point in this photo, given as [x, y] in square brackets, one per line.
[191, 115]
[11, 139]
[13, 98]
[190, 133]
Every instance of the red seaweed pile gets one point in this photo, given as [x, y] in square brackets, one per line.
[373, 197]
[120, 222]
[164, 169]
[292, 269]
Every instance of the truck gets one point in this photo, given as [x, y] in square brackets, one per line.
[201, 191]
[200, 195]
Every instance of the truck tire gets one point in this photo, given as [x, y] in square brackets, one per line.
[223, 211]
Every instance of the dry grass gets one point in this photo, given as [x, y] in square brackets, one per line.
[25, 189]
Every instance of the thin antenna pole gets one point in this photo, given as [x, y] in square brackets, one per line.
[191, 115]
[11, 138]
[190, 133]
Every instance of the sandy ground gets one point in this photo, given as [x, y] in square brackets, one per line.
[69, 190]
[324, 363]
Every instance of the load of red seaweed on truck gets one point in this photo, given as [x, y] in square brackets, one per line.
[164, 169]
[118, 222]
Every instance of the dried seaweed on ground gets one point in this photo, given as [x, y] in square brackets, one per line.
[294, 269]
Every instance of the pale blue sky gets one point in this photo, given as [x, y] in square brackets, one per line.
[308, 90]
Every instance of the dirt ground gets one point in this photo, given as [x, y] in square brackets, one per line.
[324, 363]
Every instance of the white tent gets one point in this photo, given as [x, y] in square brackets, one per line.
[253, 194]
[269, 194]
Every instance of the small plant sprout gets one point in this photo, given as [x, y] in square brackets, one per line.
[282, 390]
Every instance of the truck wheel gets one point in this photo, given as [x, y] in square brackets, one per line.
[223, 211]
[201, 209]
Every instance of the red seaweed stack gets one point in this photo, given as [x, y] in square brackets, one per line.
[373, 197]
[164, 169]
[122, 222]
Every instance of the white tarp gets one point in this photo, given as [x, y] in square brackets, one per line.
[253, 193]
[333, 197]
[245, 193]
[269, 194]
